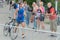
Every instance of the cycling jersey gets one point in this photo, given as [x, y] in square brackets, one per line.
[20, 16]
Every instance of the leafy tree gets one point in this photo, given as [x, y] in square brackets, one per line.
[30, 2]
[16, 1]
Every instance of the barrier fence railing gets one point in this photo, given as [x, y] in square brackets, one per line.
[33, 29]
[29, 29]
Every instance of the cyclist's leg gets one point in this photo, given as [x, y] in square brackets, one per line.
[23, 26]
[15, 29]
[18, 22]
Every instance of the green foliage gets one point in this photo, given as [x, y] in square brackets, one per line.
[30, 2]
[59, 5]
[16, 1]
[45, 2]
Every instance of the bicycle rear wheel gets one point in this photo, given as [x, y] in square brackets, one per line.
[5, 29]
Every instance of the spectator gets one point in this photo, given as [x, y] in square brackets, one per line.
[41, 15]
[26, 6]
[35, 8]
[52, 16]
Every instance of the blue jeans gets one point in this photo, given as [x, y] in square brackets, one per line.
[27, 17]
[35, 24]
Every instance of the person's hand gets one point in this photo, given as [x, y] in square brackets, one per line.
[14, 20]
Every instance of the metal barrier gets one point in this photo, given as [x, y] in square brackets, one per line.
[29, 29]
[33, 29]
[58, 20]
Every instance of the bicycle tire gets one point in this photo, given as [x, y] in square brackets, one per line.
[5, 30]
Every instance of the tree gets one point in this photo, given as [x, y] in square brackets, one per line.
[16, 1]
[30, 2]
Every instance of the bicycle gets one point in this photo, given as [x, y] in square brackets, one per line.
[7, 27]
[14, 35]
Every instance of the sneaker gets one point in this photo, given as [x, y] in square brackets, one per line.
[23, 36]
[33, 28]
[53, 35]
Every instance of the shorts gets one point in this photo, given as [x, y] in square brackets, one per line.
[42, 17]
[53, 25]
[20, 20]
[36, 17]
